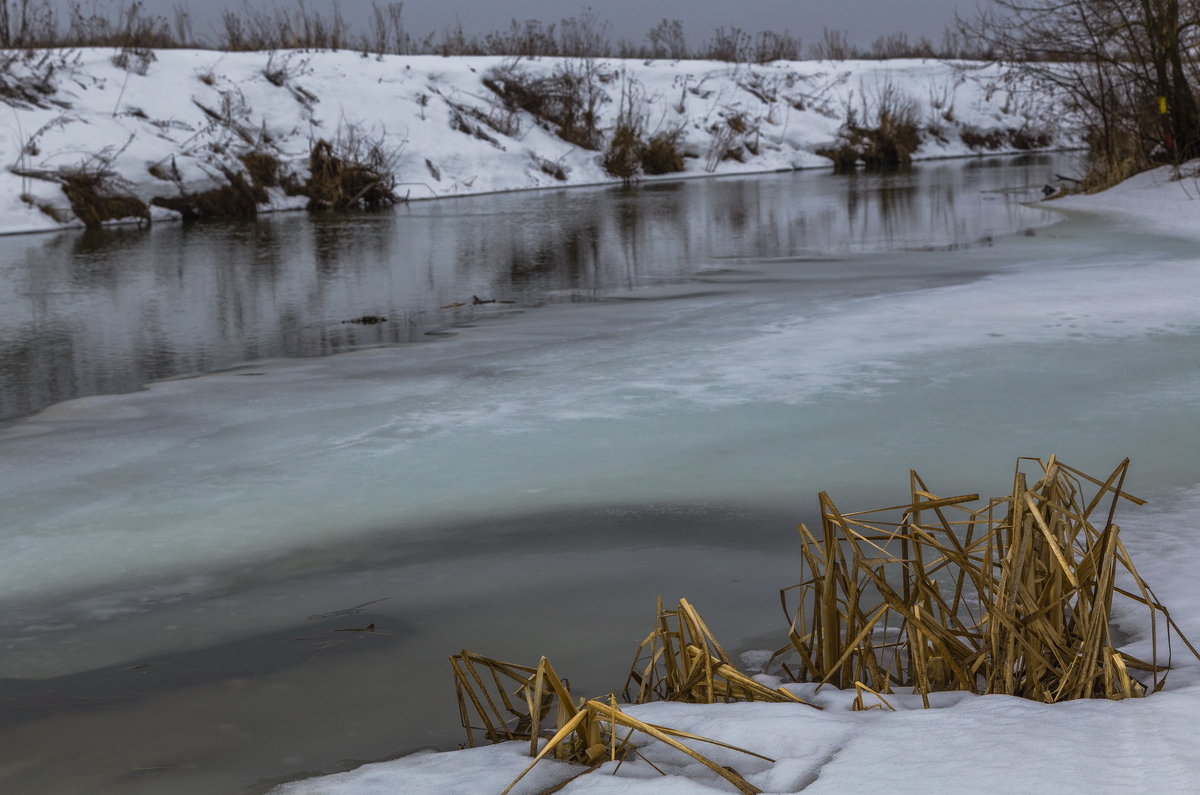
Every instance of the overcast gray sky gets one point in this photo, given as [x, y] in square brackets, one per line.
[864, 20]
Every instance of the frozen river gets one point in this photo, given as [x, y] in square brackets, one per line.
[667, 376]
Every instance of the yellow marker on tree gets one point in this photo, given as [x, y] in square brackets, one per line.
[1162, 105]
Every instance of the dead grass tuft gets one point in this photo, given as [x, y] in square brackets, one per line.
[681, 660]
[264, 168]
[623, 155]
[882, 133]
[587, 734]
[350, 172]
[97, 197]
[1013, 598]
[567, 101]
[662, 154]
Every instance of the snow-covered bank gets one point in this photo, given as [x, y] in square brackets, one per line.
[1164, 199]
[183, 122]
[992, 743]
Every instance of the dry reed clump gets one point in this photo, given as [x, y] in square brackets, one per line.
[585, 733]
[883, 133]
[350, 172]
[1014, 598]
[681, 660]
[1011, 598]
[997, 138]
[623, 155]
[1122, 157]
[97, 197]
[662, 154]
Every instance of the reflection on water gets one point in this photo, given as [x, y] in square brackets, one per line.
[107, 311]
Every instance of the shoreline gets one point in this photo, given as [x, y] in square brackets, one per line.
[615, 183]
[177, 135]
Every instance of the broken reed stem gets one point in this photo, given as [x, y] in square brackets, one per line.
[587, 733]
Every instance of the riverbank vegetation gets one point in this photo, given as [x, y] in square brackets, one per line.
[41, 24]
[1129, 69]
[1017, 597]
[1117, 77]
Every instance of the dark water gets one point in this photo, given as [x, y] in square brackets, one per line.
[108, 311]
[163, 697]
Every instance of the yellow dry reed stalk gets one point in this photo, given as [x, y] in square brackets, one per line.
[586, 734]
[681, 660]
[861, 706]
[1014, 597]
[596, 718]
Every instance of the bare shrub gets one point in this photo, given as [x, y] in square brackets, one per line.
[568, 100]
[834, 45]
[897, 45]
[552, 167]
[530, 38]
[584, 36]
[130, 28]
[734, 45]
[1025, 138]
[773, 46]
[263, 167]
[25, 23]
[455, 42]
[720, 147]
[667, 40]
[300, 27]
[389, 35]
[93, 187]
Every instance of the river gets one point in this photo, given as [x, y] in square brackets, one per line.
[545, 410]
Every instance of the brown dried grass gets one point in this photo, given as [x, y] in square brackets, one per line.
[587, 734]
[1012, 598]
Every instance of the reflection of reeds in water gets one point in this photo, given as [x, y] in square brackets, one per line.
[1012, 598]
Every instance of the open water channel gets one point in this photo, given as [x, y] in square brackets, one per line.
[573, 402]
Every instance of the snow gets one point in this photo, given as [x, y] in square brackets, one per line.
[128, 513]
[1162, 199]
[193, 112]
[992, 743]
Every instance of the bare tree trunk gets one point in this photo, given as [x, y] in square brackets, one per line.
[1185, 119]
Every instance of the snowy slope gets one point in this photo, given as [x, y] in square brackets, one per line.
[178, 122]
